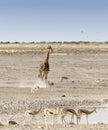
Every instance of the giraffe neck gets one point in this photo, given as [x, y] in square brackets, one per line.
[47, 58]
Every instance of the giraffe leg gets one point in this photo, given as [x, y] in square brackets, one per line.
[40, 75]
[46, 80]
[46, 83]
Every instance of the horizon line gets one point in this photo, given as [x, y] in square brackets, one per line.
[53, 42]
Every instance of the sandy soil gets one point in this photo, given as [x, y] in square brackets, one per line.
[86, 86]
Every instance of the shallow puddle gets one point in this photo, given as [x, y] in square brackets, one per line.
[101, 116]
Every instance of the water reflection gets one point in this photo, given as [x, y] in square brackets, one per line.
[100, 116]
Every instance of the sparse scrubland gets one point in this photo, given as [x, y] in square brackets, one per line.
[84, 64]
[68, 47]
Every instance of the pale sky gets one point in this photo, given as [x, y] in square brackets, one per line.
[53, 20]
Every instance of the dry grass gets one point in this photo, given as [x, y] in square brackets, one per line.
[41, 47]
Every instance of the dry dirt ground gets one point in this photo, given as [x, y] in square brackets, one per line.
[86, 86]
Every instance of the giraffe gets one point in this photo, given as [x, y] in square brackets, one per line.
[44, 67]
[86, 112]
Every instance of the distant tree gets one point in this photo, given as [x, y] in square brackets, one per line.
[54, 42]
[32, 42]
[59, 42]
[43, 42]
[16, 42]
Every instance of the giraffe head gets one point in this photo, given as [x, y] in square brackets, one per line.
[50, 48]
